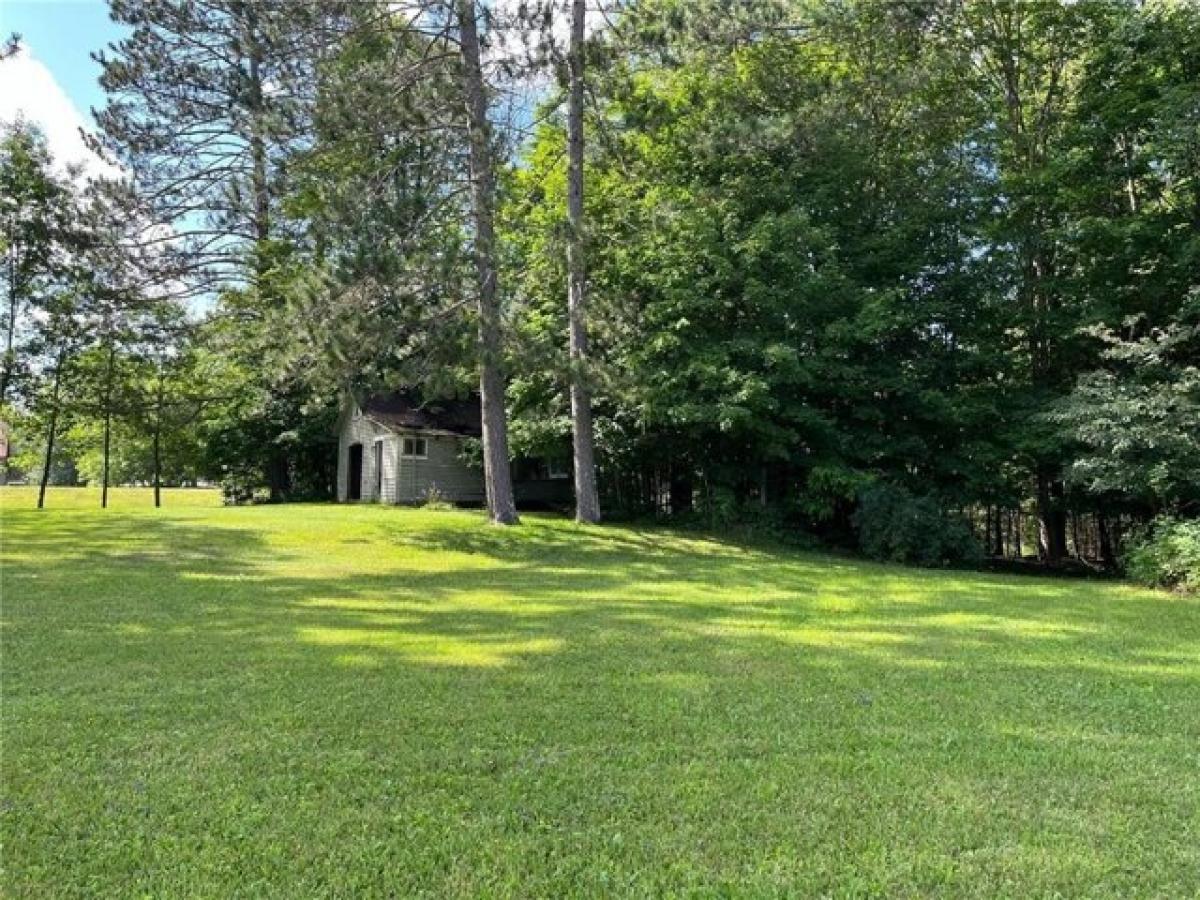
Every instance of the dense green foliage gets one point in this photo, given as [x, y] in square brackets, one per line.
[1137, 420]
[33, 218]
[322, 700]
[894, 525]
[897, 244]
[1167, 555]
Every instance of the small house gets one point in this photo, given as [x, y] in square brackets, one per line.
[396, 448]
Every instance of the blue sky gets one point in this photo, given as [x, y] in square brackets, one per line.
[53, 81]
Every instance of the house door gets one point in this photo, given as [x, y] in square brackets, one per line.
[354, 474]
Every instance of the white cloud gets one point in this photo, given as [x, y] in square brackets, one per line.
[28, 88]
[512, 42]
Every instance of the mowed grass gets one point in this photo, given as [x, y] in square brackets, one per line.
[24, 497]
[359, 701]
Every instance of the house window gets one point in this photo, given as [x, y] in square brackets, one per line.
[414, 448]
[379, 467]
[556, 468]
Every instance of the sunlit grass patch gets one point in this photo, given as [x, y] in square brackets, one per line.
[364, 701]
[15, 497]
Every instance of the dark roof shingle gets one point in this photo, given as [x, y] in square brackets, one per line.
[404, 409]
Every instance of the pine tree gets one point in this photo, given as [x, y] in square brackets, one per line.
[497, 474]
[204, 100]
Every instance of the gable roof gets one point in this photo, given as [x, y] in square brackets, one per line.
[405, 410]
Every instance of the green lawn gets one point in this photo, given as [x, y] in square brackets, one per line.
[362, 701]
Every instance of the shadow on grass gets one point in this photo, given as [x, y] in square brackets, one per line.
[321, 680]
[496, 597]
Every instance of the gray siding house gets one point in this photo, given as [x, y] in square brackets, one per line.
[392, 448]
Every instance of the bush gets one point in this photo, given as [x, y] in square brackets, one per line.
[433, 498]
[720, 512]
[1167, 555]
[896, 526]
[237, 490]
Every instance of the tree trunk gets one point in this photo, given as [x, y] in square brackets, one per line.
[1030, 125]
[51, 429]
[258, 145]
[278, 478]
[157, 466]
[587, 503]
[158, 414]
[10, 329]
[108, 390]
[497, 476]
[680, 490]
[278, 482]
[1052, 523]
[1106, 544]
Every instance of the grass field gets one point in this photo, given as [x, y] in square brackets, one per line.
[361, 701]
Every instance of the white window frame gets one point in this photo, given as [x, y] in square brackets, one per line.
[404, 444]
[557, 470]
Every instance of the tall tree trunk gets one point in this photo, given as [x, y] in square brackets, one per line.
[497, 476]
[107, 444]
[1029, 125]
[51, 429]
[108, 391]
[1052, 522]
[157, 465]
[587, 502]
[1106, 544]
[255, 101]
[680, 490]
[158, 414]
[10, 331]
[278, 479]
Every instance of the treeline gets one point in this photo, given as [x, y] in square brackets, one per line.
[97, 379]
[934, 260]
[918, 277]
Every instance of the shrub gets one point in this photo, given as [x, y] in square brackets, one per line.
[720, 512]
[1167, 554]
[433, 498]
[894, 525]
[238, 490]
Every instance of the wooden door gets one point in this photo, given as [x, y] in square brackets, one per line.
[354, 475]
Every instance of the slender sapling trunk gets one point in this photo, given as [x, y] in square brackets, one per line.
[52, 428]
[108, 390]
